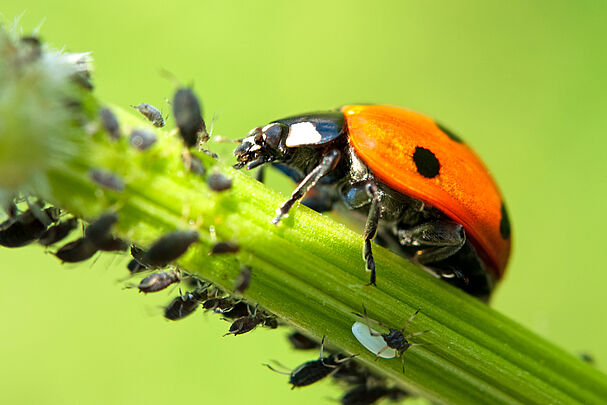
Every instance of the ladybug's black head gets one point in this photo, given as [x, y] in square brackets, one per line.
[279, 139]
[262, 145]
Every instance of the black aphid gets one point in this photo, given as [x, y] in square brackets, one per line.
[23, 229]
[58, 232]
[188, 116]
[302, 342]
[353, 373]
[76, 251]
[193, 164]
[100, 229]
[239, 310]
[218, 182]
[169, 247]
[244, 325]
[251, 321]
[224, 247]
[110, 123]
[367, 395]
[219, 304]
[159, 281]
[152, 113]
[587, 357]
[136, 265]
[315, 370]
[185, 304]
[113, 244]
[243, 280]
[270, 322]
[107, 180]
[142, 139]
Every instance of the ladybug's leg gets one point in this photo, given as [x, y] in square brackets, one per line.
[261, 174]
[328, 163]
[436, 240]
[371, 229]
[318, 200]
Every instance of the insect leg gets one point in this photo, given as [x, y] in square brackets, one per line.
[328, 163]
[436, 240]
[371, 229]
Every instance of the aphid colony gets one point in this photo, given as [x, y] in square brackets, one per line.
[49, 226]
[362, 386]
[37, 221]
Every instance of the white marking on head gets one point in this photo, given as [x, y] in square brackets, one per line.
[302, 133]
[374, 344]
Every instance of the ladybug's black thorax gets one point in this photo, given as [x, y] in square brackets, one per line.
[299, 162]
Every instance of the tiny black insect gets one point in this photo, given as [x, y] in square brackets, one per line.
[136, 265]
[239, 310]
[367, 395]
[159, 281]
[185, 304]
[218, 182]
[110, 123]
[107, 180]
[243, 280]
[76, 251]
[219, 304]
[244, 325]
[57, 232]
[587, 357]
[301, 341]
[25, 228]
[251, 321]
[354, 373]
[188, 116]
[113, 244]
[224, 247]
[270, 322]
[193, 164]
[142, 139]
[315, 370]
[169, 247]
[100, 229]
[152, 113]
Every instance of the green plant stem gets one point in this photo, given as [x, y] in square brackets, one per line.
[307, 270]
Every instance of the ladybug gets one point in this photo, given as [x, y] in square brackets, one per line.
[418, 189]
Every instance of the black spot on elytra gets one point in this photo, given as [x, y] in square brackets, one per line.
[504, 223]
[449, 133]
[426, 162]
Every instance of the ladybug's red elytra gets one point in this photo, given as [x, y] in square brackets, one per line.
[424, 193]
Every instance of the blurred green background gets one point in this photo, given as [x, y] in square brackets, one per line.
[523, 82]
